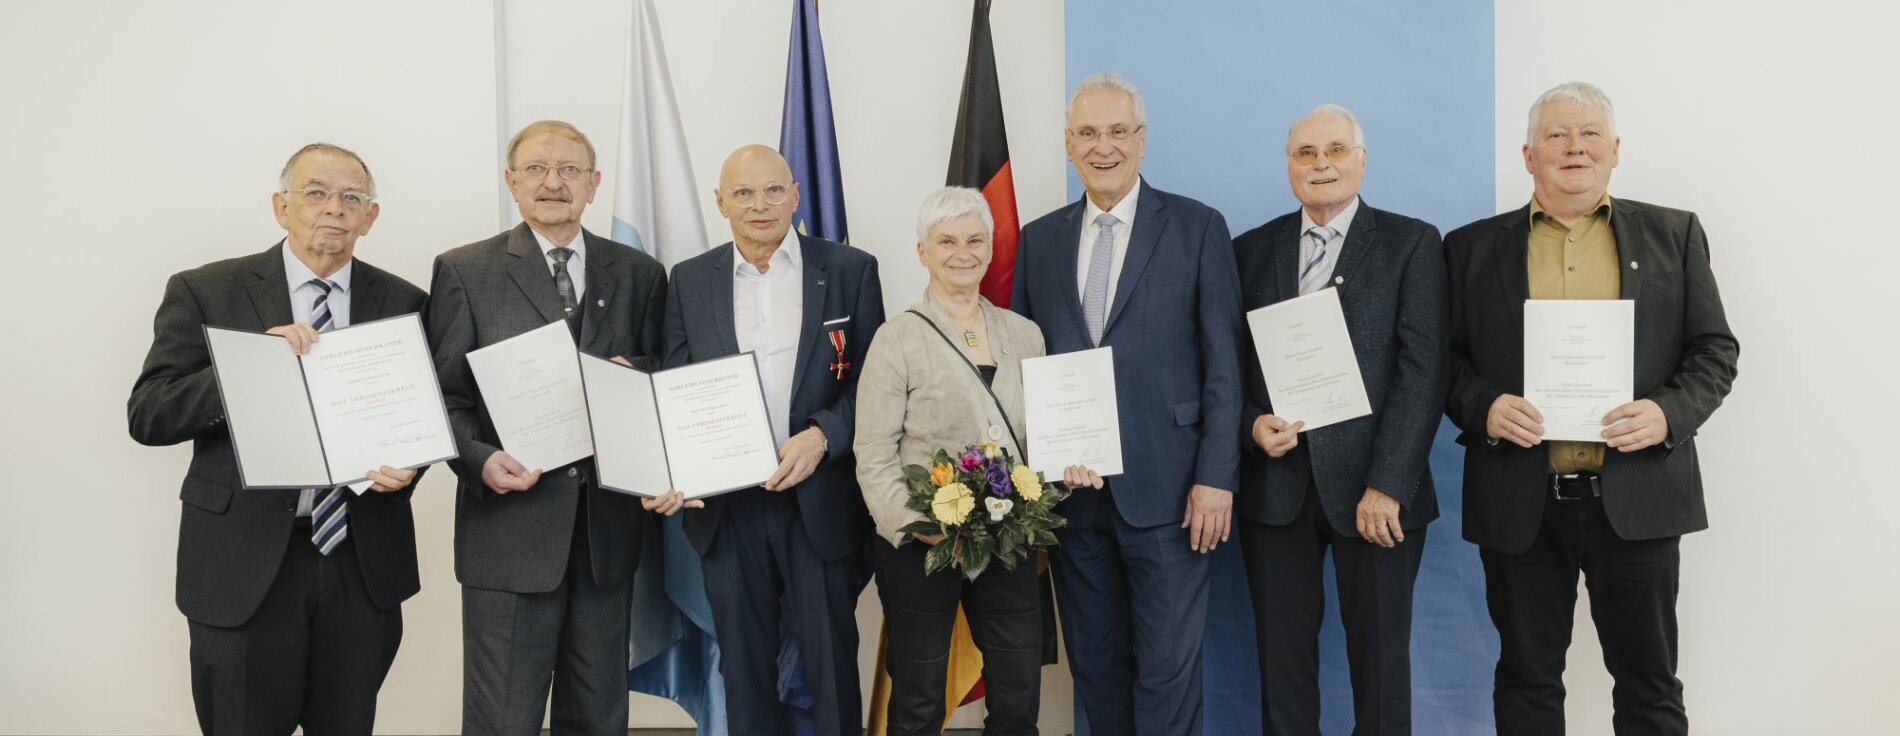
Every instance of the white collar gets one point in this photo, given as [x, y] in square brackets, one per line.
[578, 244]
[1124, 211]
[1339, 224]
[296, 274]
[789, 249]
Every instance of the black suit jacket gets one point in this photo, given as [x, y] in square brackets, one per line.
[1390, 277]
[231, 540]
[486, 292]
[1685, 362]
[842, 292]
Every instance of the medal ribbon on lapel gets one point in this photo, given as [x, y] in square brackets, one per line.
[837, 343]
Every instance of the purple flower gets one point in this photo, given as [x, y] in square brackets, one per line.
[998, 478]
[970, 461]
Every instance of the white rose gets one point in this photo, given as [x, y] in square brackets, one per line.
[999, 507]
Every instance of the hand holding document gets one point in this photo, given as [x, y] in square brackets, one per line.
[701, 429]
[531, 384]
[1070, 410]
[363, 397]
[1579, 363]
[1307, 359]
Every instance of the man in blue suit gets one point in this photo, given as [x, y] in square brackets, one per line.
[789, 552]
[1151, 274]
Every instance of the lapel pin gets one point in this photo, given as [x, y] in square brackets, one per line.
[821, 282]
[1339, 279]
[600, 302]
[1633, 266]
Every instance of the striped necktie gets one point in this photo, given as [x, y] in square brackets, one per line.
[329, 523]
[1311, 277]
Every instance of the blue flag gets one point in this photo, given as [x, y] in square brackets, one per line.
[807, 138]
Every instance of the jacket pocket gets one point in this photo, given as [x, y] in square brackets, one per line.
[1187, 413]
[206, 494]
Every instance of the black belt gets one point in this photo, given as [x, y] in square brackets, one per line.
[1575, 486]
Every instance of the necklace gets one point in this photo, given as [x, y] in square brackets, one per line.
[969, 328]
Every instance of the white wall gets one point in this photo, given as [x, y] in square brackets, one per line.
[1770, 121]
[146, 138]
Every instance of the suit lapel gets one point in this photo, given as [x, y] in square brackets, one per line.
[1513, 262]
[530, 272]
[1142, 244]
[270, 295]
[1628, 256]
[1359, 241]
[816, 280]
[1066, 258]
[366, 295]
[719, 306]
[1286, 261]
[603, 289]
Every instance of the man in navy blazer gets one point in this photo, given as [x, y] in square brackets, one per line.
[1362, 487]
[792, 549]
[1152, 275]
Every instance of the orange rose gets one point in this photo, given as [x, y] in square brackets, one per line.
[941, 475]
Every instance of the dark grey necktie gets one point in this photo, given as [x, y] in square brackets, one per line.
[562, 281]
[329, 521]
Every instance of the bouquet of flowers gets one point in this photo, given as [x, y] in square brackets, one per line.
[986, 505]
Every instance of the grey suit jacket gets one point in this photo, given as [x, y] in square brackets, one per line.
[1390, 279]
[919, 395]
[492, 290]
[230, 540]
[1685, 362]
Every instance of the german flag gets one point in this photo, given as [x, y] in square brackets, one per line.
[979, 155]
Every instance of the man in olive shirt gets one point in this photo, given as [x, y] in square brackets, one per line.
[1613, 510]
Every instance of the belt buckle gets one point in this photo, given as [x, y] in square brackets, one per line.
[1557, 483]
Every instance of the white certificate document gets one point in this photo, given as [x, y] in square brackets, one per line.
[365, 396]
[1069, 407]
[531, 385]
[701, 429]
[1579, 363]
[1307, 360]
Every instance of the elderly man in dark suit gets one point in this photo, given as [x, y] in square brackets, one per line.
[544, 555]
[1360, 487]
[791, 550]
[1151, 274]
[293, 597]
[1615, 510]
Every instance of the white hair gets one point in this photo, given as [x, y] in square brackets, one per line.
[283, 179]
[1582, 93]
[1110, 82]
[1358, 134]
[950, 203]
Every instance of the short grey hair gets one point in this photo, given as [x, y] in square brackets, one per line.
[1109, 82]
[561, 128]
[1358, 134]
[283, 179]
[1582, 93]
[950, 203]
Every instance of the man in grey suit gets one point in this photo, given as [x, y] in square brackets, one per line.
[1150, 274]
[1541, 512]
[790, 551]
[294, 597]
[544, 555]
[1361, 487]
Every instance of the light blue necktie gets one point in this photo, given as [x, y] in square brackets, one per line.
[1095, 288]
[1311, 278]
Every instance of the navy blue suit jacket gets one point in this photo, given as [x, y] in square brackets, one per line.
[1175, 326]
[1390, 279]
[842, 292]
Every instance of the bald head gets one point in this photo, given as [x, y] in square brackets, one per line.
[757, 196]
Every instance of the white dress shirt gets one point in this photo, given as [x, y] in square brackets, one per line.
[1340, 223]
[1124, 212]
[303, 303]
[768, 313]
[576, 264]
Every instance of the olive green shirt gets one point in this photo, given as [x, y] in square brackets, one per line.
[1574, 263]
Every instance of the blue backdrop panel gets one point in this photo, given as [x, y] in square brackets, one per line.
[1223, 79]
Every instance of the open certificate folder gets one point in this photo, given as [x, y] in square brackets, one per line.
[365, 396]
[701, 429]
[531, 386]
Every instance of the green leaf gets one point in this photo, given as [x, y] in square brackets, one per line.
[937, 558]
[920, 526]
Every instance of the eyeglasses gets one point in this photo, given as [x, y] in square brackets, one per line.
[773, 194]
[318, 196]
[569, 172]
[1308, 155]
[1117, 134]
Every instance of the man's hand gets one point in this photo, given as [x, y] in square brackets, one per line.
[1513, 418]
[1642, 425]
[797, 459]
[1378, 519]
[504, 475]
[1079, 476]
[1209, 512]
[389, 480]
[1274, 436]
[300, 335]
[670, 502]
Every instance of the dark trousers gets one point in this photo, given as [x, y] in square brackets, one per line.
[763, 578]
[1004, 608]
[1284, 573]
[1133, 604]
[573, 638]
[1533, 595]
[314, 654]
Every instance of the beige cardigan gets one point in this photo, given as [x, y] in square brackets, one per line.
[917, 395]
